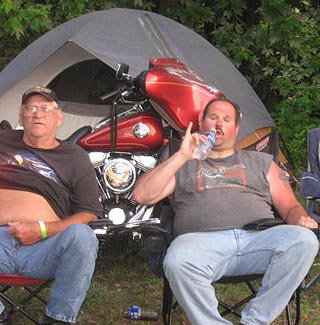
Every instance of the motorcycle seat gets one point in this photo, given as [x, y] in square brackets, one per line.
[77, 135]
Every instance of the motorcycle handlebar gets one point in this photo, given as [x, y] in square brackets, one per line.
[122, 92]
[110, 94]
[126, 84]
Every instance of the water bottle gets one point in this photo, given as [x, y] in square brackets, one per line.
[202, 151]
[135, 312]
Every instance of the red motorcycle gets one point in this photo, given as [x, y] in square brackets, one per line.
[163, 100]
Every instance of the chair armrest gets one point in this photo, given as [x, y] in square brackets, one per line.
[262, 224]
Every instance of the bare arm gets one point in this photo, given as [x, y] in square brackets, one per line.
[28, 232]
[285, 201]
[159, 182]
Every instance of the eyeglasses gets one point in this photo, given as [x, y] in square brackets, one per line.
[46, 110]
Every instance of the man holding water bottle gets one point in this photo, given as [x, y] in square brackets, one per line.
[213, 200]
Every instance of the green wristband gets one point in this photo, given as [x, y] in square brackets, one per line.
[43, 229]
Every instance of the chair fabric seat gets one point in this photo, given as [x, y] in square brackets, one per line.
[19, 281]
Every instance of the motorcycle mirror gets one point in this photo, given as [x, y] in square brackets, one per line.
[122, 71]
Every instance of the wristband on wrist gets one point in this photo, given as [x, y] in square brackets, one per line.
[43, 229]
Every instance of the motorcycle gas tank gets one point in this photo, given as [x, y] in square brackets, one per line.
[141, 132]
[177, 93]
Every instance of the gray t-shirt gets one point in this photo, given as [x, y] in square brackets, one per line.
[218, 194]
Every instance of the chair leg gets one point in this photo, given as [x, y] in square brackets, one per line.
[298, 306]
[19, 306]
[297, 299]
[233, 309]
[288, 314]
[167, 298]
[35, 293]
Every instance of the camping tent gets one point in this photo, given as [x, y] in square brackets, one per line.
[78, 58]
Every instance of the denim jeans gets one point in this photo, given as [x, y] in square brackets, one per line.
[284, 254]
[68, 258]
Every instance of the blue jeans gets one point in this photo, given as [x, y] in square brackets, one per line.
[284, 254]
[68, 258]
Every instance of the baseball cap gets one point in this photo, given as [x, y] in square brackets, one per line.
[40, 90]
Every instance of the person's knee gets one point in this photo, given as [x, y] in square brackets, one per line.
[306, 241]
[312, 242]
[169, 263]
[82, 236]
[176, 263]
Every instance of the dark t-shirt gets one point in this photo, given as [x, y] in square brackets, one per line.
[64, 176]
[218, 194]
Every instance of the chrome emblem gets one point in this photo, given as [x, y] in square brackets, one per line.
[141, 130]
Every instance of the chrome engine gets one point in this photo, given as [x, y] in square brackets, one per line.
[116, 175]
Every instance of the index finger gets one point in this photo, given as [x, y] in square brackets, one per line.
[189, 128]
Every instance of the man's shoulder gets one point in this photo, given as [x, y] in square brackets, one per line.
[72, 149]
[255, 154]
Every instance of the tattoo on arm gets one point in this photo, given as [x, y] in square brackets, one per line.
[284, 177]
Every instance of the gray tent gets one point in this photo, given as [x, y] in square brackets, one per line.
[73, 56]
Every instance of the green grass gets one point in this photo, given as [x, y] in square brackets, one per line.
[123, 281]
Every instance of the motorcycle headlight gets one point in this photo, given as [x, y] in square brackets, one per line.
[119, 175]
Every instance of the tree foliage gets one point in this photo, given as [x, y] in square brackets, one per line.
[274, 43]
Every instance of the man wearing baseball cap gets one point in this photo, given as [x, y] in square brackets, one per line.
[40, 90]
[48, 195]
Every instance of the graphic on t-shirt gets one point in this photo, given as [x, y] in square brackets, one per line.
[31, 161]
[221, 176]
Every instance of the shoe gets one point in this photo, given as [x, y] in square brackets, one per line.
[52, 321]
[5, 318]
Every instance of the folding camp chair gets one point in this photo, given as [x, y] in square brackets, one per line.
[158, 239]
[310, 180]
[169, 306]
[31, 289]
[310, 190]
